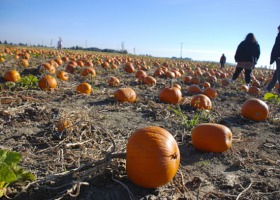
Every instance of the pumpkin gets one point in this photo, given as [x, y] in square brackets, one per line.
[47, 83]
[201, 101]
[255, 109]
[129, 68]
[150, 81]
[12, 75]
[225, 82]
[194, 89]
[114, 81]
[211, 137]
[140, 73]
[70, 68]
[211, 92]
[84, 88]
[187, 79]
[170, 74]
[206, 85]
[170, 95]
[125, 95]
[254, 90]
[24, 62]
[195, 80]
[62, 75]
[152, 157]
[88, 71]
[177, 86]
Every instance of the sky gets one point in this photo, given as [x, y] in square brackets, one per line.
[199, 29]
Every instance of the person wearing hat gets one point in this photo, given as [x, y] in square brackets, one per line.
[275, 56]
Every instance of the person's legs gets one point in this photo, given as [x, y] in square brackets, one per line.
[275, 78]
[278, 74]
[273, 81]
[248, 76]
[238, 70]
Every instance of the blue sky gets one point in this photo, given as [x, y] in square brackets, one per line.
[205, 28]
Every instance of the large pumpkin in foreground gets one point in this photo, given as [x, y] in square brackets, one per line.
[152, 157]
[211, 137]
[255, 109]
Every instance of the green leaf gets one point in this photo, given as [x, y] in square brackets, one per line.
[269, 96]
[6, 174]
[12, 158]
[22, 174]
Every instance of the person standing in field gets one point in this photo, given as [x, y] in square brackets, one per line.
[223, 61]
[275, 56]
[246, 56]
[59, 45]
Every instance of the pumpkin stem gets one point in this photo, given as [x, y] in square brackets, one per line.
[171, 83]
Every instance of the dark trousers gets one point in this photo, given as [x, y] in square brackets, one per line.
[238, 70]
[275, 77]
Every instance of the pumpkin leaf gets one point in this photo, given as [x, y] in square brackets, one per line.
[272, 97]
[6, 174]
[11, 158]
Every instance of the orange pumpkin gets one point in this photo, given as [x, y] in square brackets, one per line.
[62, 75]
[254, 90]
[211, 92]
[206, 85]
[201, 101]
[255, 109]
[114, 81]
[84, 88]
[194, 89]
[47, 83]
[150, 81]
[211, 137]
[88, 71]
[152, 157]
[170, 95]
[140, 73]
[125, 95]
[12, 75]
[129, 68]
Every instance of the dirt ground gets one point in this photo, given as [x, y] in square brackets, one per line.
[87, 161]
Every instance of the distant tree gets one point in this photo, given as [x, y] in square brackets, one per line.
[0, 42]
[5, 42]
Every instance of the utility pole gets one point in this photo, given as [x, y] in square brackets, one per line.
[181, 49]
[51, 43]
[86, 43]
[134, 49]
[122, 46]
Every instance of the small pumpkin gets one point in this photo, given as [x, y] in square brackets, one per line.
[152, 157]
[255, 109]
[114, 81]
[211, 137]
[62, 75]
[150, 81]
[201, 101]
[129, 68]
[171, 95]
[253, 90]
[64, 125]
[125, 95]
[84, 88]
[12, 76]
[211, 92]
[47, 83]
[194, 89]
[88, 71]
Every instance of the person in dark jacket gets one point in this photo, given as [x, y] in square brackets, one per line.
[223, 61]
[275, 56]
[246, 56]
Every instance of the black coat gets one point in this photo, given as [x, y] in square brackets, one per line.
[247, 52]
[275, 53]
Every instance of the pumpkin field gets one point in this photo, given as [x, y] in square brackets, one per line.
[88, 125]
